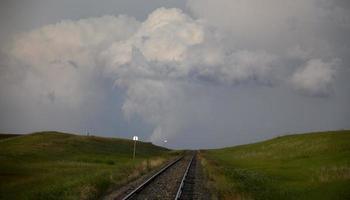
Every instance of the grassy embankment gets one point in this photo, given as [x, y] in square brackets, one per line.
[52, 165]
[5, 135]
[306, 166]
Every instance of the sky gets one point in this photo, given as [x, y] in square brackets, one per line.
[197, 73]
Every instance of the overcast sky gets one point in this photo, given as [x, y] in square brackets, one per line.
[198, 73]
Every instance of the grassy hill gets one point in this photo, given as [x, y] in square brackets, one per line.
[5, 135]
[53, 165]
[305, 166]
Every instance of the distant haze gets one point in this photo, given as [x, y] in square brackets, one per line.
[196, 73]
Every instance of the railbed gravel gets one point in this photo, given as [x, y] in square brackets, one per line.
[194, 186]
[165, 186]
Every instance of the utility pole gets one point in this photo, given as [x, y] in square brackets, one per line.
[135, 138]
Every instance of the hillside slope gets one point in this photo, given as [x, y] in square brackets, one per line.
[305, 166]
[53, 165]
[6, 135]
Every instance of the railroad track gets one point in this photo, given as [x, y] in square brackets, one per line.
[174, 181]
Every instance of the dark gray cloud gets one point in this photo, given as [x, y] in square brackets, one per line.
[192, 77]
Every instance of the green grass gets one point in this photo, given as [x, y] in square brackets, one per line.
[52, 165]
[5, 135]
[305, 166]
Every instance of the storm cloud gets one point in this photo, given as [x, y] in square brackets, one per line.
[172, 65]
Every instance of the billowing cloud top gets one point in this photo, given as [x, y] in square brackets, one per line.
[223, 43]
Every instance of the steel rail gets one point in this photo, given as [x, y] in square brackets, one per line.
[179, 191]
[140, 187]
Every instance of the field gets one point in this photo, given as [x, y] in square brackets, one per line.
[305, 166]
[5, 136]
[52, 165]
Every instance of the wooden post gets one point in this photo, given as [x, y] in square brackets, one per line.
[133, 157]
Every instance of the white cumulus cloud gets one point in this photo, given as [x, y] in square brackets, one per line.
[60, 59]
[315, 78]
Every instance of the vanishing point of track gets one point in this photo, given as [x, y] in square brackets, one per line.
[174, 181]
